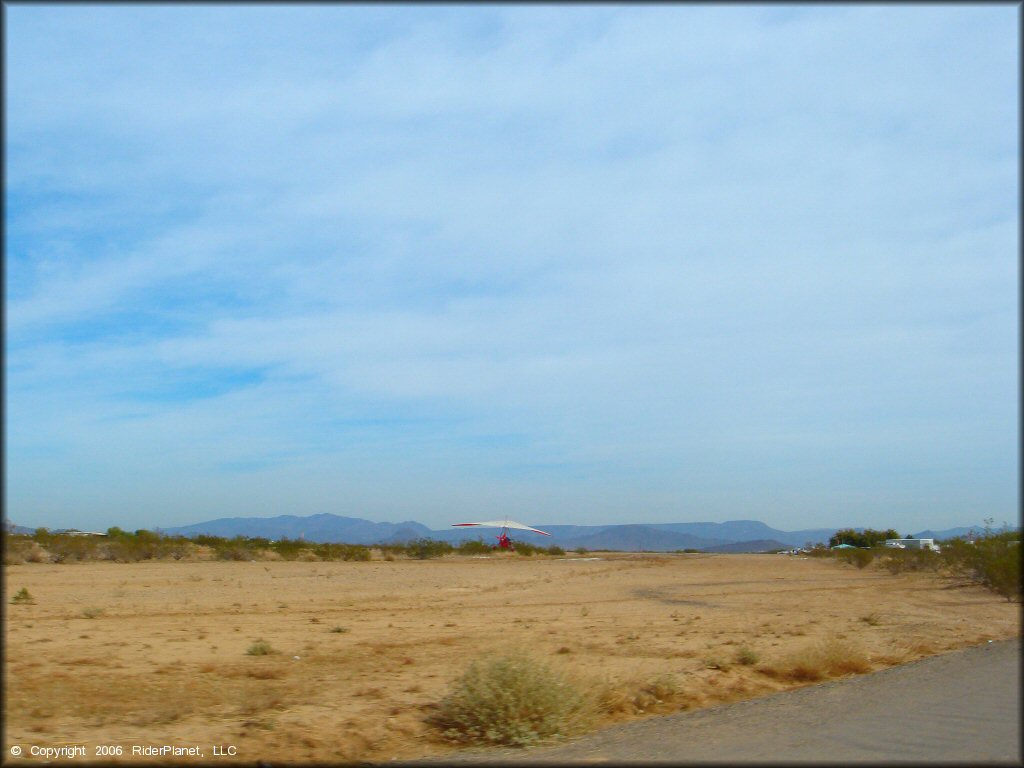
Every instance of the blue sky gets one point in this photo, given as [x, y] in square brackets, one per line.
[573, 264]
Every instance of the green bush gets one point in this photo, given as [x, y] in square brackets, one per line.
[474, 547]
[260, 648]
[424, 549]
[900, 560]
[524, 548]
[511, 700]
[859, 557]
[340, 552]
[993, 560]
[239, 554]
[65, 548]
[746, 657]
[22, 597]
[356, 552]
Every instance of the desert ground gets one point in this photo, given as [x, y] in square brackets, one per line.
[155, 653]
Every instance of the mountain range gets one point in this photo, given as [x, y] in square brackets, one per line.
[730, 536]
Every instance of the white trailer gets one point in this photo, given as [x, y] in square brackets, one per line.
[912, 544]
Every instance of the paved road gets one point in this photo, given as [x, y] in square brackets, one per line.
[958, 707]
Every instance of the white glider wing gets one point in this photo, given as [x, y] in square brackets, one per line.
[502, 524]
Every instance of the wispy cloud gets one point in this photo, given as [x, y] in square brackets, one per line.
[599, 263]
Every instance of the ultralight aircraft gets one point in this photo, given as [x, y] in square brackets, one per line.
[504, 542]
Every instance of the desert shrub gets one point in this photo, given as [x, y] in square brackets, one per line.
[22, 597]
[288, 549]
[326, 551]
[205, 540]
[858, 557]
[121, 550]
[581, 550]
[554, 549]
[826, 658]
[614, 699]
[239, 554]
[993, 560]
[175, 548]
[524, 548]
[21, 549]
[37, 554]
[634, 698]
[510, 700]
[746, 657]
[92, 613]
[13, 556]
[64, 548]
[260, 648]
[424, 549]
[473, 547]
[355, 552]
[897, 561]
[662, 688]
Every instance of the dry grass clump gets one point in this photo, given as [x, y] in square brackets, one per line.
[20, 552]
[14, 556]
[511, 700]
[826, 658]
[907, 650]
[663, 692]
[747, 657]
[260, 648]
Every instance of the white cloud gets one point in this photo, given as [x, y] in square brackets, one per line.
[662, 245]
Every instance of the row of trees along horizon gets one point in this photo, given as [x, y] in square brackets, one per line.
[992, 558]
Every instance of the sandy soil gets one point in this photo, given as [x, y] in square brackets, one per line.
[155, 653]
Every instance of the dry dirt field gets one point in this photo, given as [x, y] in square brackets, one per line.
[156, 653]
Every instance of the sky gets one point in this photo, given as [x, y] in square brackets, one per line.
[570, 264]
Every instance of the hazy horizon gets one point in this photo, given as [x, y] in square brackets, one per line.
[996, 525]
[579, 265]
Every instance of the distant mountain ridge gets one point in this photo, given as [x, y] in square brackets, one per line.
[729, 536]
[323, 527]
